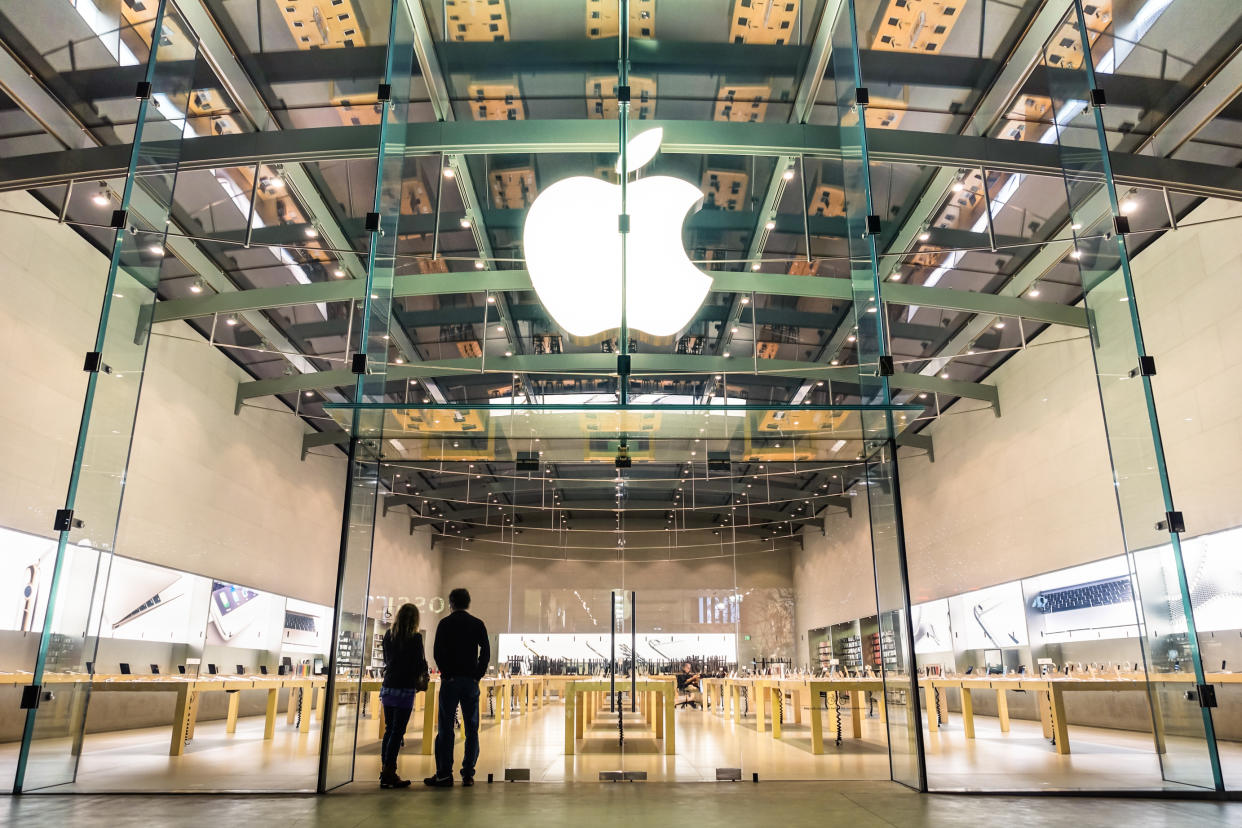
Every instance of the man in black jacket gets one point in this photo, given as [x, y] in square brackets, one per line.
[461, 651]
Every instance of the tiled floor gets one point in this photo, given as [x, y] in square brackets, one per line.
[137, 760]
[785, 804]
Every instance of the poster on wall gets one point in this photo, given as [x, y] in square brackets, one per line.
[1214, 576]
[26, 563]
[989, 618]
[931, 627]
[145, 602]
[242, 617]
[1089, 602]
[306, 627]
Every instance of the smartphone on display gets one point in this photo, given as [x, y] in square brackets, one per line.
[233, 608]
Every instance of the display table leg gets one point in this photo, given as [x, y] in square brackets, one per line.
[77, 716]
[230, 721]
[291, 711]
[181, 721]
[761, 716]
[857, 710]
[796, 697]
[269, 714]
[933, 721]
[321, 701]
[670, 724]
[1045, 711]
[306, 703]
[817, 726]
[573, 722]
[194, 698]
[430, 706]
[1059, 726]
[736, 694]
[1002, 709]
[660, 725]
[968, 713]
[776, 698]
[580, 703]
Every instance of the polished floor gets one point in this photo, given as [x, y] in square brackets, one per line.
[788, 804]
[137, 761]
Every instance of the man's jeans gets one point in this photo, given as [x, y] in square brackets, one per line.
[462, 691]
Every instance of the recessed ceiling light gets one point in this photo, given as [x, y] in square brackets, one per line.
[1000, 325]
[944, 374]
[771, 225]
[1033, 292]
[745, 300]
[1075, 226]
[197, 287]
[231, 320]
[491, 300]
[958, 186]
[465, 224]
[478, 264]
[508, 353]
[338, 273]
[311, 232]
[448, 172]
[788, 175]
[924, 236]
[755, 266]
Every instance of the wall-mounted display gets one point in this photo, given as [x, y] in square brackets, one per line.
[1089, 602]
[153, 603]
[988, 618]
[931, 627]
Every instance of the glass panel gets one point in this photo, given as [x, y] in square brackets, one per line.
[875, 365]
[345, 674]
[52, 738]
[1184, 730]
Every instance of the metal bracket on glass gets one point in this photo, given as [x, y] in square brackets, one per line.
[517, 774]
[1205, 694]
[1146, 367]
[623, 94]
[623, 365]
[623, 223]
[1097, 98]
[31, 694]
[64, 521]
[94, 363]
[358, 364]
[862, 96]
[1121, 224]
[873, 225]
[119, 219]
[373, 222]
[887, 368]
[384, 94]
[1173, 522]
[143, 90]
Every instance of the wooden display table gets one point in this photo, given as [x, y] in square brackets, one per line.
[1050, 697]
[659, 714]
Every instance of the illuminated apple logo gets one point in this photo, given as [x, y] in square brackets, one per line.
[573, 250]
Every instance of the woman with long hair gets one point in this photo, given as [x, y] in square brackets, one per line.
[405, 673]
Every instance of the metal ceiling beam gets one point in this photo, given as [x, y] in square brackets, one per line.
[1200, 108]
[723, 281]
[605, 365]
[590, 136]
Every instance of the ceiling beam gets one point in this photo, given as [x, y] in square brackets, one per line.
[519, 280]
[605, 365]
[590, 136]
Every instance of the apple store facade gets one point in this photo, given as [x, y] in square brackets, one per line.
[816, 390]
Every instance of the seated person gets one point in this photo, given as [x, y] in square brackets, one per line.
[689, 690]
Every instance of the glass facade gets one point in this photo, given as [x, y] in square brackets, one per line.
[880, 214]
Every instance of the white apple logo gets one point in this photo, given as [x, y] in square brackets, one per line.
[573, 250]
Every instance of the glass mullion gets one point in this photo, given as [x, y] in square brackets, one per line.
[370, 363]
[87, 526]
[873, 365]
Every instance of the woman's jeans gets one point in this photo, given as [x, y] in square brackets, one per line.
[395, 720]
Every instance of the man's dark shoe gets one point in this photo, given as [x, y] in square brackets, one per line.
[438, 781]
[467, 781]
